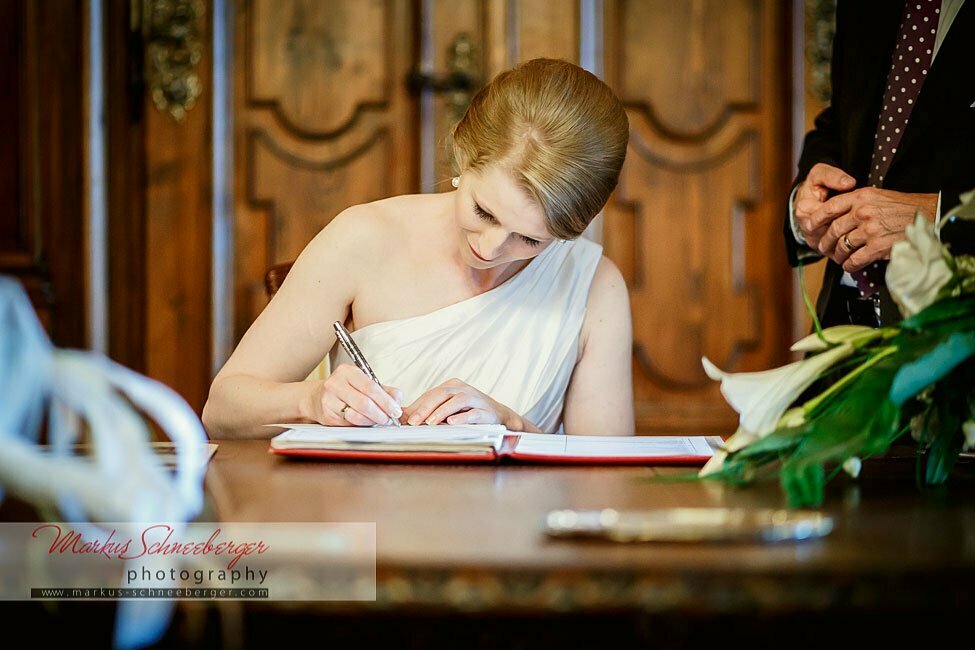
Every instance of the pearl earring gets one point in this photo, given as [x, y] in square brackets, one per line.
[455, 181]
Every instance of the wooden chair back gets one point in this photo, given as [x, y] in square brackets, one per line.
[274, 277]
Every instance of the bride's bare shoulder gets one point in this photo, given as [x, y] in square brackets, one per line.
[368, 232]
[380, 223]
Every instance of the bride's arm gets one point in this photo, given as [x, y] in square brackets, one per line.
[262, 382]
[599, 400]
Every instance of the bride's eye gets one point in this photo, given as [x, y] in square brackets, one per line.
[488, 217]
[483, 214]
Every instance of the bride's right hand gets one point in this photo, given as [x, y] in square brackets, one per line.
[349, 396]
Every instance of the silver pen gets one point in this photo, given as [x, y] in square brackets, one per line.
[358, 359]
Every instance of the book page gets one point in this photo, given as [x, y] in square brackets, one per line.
[569, 446]
[389, 437]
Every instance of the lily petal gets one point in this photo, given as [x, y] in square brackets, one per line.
[736, 442]
[917, 268]
[852, 466]
[714, 464]
[760, 398]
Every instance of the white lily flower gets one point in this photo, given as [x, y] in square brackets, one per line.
[852, 466]
[968, 428]
[760, 398]
[917, 268]
[834, 335]
[714, 464]
[794, 417]
[738, 440]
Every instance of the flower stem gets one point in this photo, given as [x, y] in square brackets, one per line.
[809, 306]
[810, 406]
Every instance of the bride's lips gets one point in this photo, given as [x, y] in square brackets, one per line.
[475, 253]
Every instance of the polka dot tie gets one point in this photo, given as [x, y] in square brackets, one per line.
[908, 68]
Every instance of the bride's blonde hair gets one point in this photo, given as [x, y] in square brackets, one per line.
[561, 132]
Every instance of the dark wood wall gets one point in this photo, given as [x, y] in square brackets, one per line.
[126, 198]
[159, 208]
[179, 223]
[42, 180]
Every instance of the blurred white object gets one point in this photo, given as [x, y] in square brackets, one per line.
[917, 268]
[120, 480]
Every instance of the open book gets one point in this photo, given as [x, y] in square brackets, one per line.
[487, 443]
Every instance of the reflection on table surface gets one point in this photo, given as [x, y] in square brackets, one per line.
[473, 535]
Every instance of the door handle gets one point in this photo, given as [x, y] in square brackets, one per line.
[460, 81]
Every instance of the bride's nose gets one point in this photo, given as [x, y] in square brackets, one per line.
[491, 241]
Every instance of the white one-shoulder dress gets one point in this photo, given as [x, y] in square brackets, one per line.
[517, 342]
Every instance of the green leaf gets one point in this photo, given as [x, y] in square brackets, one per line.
[944, 312]
[777, 442]
[943, 428]
[914, 377]
[946, 442]
[859, 421]
[818, 403]
[804, 484]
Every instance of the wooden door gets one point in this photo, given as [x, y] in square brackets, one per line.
[325, 118]
[695, 224]
[499, 35]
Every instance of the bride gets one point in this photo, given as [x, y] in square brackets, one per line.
[479, 305]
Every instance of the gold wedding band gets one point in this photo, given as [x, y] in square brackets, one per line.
[846, 242]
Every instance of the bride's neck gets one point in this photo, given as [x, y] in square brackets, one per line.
[486, 279]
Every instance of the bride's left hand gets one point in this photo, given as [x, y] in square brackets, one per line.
[454, 402]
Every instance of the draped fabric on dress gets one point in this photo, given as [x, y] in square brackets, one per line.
[517, 343]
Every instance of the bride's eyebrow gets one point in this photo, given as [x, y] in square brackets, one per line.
[480, 206]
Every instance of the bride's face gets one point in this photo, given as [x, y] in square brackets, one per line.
[499, 223]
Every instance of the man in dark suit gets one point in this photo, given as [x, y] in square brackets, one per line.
[898, 137]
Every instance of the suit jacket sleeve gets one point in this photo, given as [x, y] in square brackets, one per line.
[822, 144]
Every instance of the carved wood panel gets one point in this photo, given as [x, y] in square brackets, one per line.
[323, 121]
[546, 29]
[695, 222]
[503, 33]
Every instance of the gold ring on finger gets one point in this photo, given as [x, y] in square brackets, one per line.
[846, 242]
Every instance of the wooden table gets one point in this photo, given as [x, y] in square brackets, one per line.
[461, 550]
